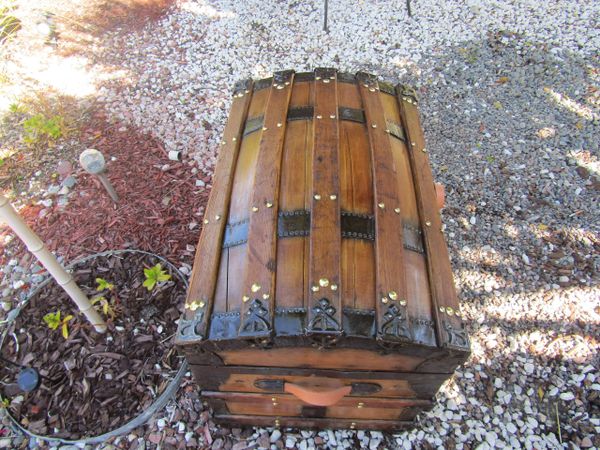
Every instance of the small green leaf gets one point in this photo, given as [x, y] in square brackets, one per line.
[52, 320]
[65, 330]
[155, 275]
[149, 284]
[103, 284]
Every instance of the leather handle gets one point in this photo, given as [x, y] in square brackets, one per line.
[440, 195]
[317, 398]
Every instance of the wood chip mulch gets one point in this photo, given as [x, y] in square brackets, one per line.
[93, 383]
[160, 207]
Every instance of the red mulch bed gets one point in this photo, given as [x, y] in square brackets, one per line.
[155, 209]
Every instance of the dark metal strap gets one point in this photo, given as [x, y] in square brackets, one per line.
[304, 76]
[387, 88]
[301, 113]
[354, 115]
[396, 130]
[297, 223]
[263, 84]
[253, 125]
[346, 77]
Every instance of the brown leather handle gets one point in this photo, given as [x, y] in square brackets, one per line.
[440, 195]
[317, 398]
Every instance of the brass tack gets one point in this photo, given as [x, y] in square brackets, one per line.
[319, 116]
[266, 296]
[245, 298]
[234, 139]
[381, 205]
[324, 282]
[268, 204]
[279, 125]
[317, 196]
[366, 85]
[223, 142]
[333, 287]
[315, 288]
[217, 217]
[403, 302]
[413, 144]
[326, 80]
[317, 78]
[360, 405]
[393, 295]
[332, 77]
[265, 129]
[372, 89]
[352, 426]
[450, 311]
[397, 210]
[247, 91]
[374, 125]
[273, 399]
[387, 131]
[255, 208]
[442, 309]
[277, 423]
[255, 287]
[287, 83]
[280, 86]
[332, 116]
[205, 221]
[201, 304]
[424, 150]
[384, 300]
[333, 196]
[428, 223]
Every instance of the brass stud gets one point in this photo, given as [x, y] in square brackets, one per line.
[393, 295]
[442, 309]
[254, 208]
[273, 399]
[319, 116]
[374, 125]
[372, 89]
[428, 223]
[424, 150]
[352, 426]
[397, 210]
[268, 204]
[333, 287]
[245, 298]
[324, 282]
[450, 311]
[332, 116]
[217, 217]
[332, 77]
[317, 78]
[317, 196]
[265, 129]
[201, 304]
[413, 144]
[277, 423]
[234, 139]
[287, 83]
[247, 91]
[326, 80]
[279, 86]
[360, 405]
[387, 131]
[384, 299]
[255, 287]
[403, 302]
[315, 288]
[366, 85]
[223, 142]
[332, 197]
[205, 221]
[381, 205]
[279, 125]
[266, 296]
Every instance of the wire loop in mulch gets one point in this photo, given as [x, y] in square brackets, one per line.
[93, 383]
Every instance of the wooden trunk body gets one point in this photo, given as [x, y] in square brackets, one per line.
[322, 292]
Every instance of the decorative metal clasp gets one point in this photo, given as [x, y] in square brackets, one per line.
[188, 330]
[395, 324]
[256, 322]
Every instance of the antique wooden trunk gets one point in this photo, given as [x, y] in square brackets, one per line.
[322, 292]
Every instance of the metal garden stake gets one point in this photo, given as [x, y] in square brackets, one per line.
[63, 278]
[93, 162]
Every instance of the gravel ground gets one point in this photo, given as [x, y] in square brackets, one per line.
[511, 110]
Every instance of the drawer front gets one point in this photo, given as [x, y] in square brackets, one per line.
[285, 405]
[364, 384]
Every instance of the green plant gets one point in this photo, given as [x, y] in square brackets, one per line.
[107, 308]
[17, 108]
[5, 402]
[39, 127]
[155, 275]
[9, 24]
[54, 321]
[103, 284]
